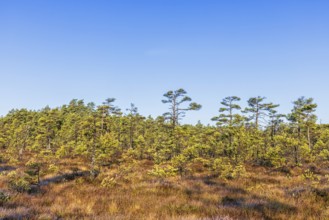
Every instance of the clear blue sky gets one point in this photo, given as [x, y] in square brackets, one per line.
[52, 51]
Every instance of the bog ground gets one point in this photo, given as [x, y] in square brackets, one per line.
[131, 192]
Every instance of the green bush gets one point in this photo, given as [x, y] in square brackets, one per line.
[273, 157]
[324, 154]
[108, 182]
[34, 168]
[180, 164]
[224, 169]
[239, 171]
[309, 175]
[163, 171]
[3, 198]
[53, 168]
[19, 182]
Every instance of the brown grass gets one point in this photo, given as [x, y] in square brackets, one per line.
[263, 194]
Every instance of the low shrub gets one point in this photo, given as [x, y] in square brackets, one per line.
[19, 181]
[3, 198]
[163, 171]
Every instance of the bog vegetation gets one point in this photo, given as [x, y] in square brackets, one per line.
[100, 162]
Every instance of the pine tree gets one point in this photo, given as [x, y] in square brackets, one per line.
[302, 115]
[176, 99]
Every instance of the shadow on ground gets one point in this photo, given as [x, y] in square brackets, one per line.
[64, 177]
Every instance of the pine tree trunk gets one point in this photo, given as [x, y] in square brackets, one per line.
[309, 138]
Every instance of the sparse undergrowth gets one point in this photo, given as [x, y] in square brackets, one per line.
[145, 191]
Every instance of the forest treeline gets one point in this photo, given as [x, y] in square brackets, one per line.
[104, 134]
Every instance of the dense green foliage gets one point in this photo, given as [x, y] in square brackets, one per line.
[103, 135]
